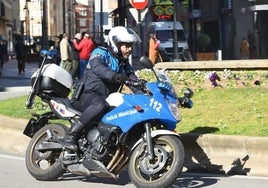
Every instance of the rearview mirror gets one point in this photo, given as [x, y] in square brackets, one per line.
[146, 62]
[188, 93]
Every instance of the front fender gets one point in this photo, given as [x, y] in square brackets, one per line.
[156, 133]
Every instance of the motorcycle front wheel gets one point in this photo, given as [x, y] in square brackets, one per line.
[44, 165]
[163, 169]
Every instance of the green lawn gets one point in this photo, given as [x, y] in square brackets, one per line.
[242, 111]
[237, 106]
[231, 111]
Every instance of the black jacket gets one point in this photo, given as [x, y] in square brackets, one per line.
[99, 77]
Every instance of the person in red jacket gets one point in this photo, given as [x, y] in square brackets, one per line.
[85, 47]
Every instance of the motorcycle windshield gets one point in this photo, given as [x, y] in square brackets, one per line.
[165, 83]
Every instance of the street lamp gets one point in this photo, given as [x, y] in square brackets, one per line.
[63, 16]
[22, 29]
[175, 39]
[32, 28]
[72, 27]
[75, 17]
[94, 23]
[69, 11]
[44, 26]
[101, 21]
[27, 23]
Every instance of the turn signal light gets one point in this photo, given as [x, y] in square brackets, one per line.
[138, 108]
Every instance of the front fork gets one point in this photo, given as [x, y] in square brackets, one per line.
[150, 147]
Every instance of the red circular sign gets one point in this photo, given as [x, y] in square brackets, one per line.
[139, 4]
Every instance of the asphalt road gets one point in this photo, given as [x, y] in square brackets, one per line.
[14, 174]
[13, 84]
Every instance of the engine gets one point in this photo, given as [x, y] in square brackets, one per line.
[104, 146]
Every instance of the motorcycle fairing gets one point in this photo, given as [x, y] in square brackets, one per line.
[126, 115]
[115, 99]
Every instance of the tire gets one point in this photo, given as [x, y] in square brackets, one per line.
[35, 160]
[165, 168]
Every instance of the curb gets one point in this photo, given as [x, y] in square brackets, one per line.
[12, 138]
[16, 89]
[221, 154]
[11, 92]
[256, 64]
[204, 153]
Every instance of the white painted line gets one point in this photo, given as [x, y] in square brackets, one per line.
[11, 157]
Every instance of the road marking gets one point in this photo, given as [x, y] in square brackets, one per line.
[11, 157]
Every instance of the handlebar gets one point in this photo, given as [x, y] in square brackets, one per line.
[139, 84]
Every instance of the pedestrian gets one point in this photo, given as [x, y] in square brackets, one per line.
[57, 46]
[3, 53]
[66, 53]
[85, 48]
[252, 46]
[75, 57]
[21, 54]
[109, 69]
[56, 53]
[153, 48]
[244, 48]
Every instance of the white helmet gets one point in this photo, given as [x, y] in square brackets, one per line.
[121, 34]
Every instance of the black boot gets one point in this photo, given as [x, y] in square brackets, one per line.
[71, 136]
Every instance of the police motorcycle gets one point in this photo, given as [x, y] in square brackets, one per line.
[136, 134]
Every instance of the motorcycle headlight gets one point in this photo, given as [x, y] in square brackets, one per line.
[174, 109]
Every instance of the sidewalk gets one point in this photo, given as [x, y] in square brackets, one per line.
[12, 83]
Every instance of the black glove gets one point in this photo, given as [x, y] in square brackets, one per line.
[142, 81]
[120, 78]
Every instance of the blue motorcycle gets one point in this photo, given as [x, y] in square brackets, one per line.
[137, 133]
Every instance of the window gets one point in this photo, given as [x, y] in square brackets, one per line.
[82, 23]
[166, 35]
[83, 12]
[2, 9]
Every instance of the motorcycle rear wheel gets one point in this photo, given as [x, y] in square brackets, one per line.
[44, 166]
[163, 170]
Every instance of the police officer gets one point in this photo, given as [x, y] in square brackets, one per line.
[109, 68]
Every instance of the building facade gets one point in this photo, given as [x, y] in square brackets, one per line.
[225, 21]
[9, 22]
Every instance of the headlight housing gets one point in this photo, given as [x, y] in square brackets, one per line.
[174, 109]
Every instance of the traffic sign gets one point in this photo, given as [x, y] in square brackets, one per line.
[139, 4]
[135, 14]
